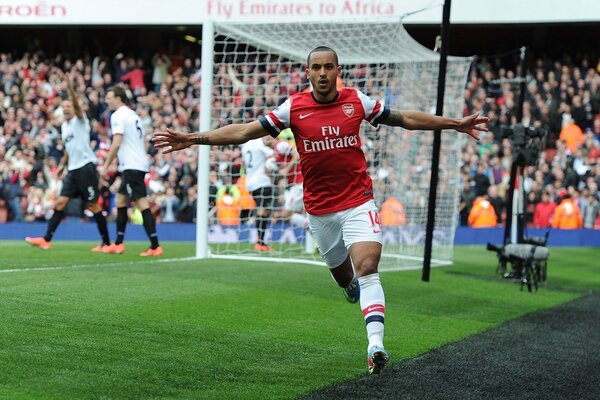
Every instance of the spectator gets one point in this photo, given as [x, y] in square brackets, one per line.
[136, 78]
[161, 67]
[467, 196]
[590, 208]
[544, 210]
[497, 202]
[530, 208]
[15, 196]
[169, 205]
[572, 135]
[482, 181]
[187, 208]
[228, 206]
[482, 214]
[567, 215]
[392, 212]
[120, 67]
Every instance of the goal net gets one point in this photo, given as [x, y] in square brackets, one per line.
[257, 66]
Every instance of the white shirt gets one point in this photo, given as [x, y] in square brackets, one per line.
[75, 135]
[132, 153]
[255, 153]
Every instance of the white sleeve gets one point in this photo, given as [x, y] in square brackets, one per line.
[278, 119]
[117, 125]
[373, 108]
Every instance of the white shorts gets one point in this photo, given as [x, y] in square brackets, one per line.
[293, 199]
[336, 232]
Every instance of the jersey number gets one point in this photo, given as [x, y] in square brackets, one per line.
[248, 159]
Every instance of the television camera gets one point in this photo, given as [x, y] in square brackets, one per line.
[526, 150]
[528, 256]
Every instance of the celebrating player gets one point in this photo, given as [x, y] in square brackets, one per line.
[130, 146]
[82, 176]
[338, 192]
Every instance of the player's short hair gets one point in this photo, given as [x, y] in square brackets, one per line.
[118, 91]
[322, 48]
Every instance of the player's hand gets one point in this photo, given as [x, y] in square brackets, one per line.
[472, 124]
[59, 171]
[171, 141]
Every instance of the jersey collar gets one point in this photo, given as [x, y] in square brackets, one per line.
[337, 95]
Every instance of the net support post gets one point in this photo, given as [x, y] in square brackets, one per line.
[437, 141]
[207, 63]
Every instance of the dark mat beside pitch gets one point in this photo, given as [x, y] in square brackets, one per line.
[550, 354]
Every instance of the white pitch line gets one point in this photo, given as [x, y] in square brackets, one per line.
[163, 260]
[167, 260]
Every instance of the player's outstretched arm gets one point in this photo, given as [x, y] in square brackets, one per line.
[170, 140]
[417, 120]
[75, 100]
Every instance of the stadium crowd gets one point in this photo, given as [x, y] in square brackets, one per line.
[563, 98]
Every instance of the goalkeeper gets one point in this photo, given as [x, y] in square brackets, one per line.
[338, 192]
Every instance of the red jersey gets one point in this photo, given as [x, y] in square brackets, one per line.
[328, 140]
[543, 213]
[284, 156]
[135, 78]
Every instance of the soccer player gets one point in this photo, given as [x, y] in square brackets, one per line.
[338, 192]
[82, 176]
[130, 146]
[255, 154]
[293, 204]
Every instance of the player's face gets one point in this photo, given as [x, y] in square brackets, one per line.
[322, 72]
[110, 101]
[68, 109]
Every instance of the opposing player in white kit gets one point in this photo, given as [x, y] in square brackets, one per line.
[129, 145]
[255, 154]
[338, 192]
[82, 176]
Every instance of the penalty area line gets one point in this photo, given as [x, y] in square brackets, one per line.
[77, 266]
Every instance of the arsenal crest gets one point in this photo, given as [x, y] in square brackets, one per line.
[348, 109]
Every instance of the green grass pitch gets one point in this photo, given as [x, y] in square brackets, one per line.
[91, 326]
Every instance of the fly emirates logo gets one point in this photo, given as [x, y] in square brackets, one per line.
[331, 140]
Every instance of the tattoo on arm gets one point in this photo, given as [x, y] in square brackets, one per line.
[201, 139]
[394, 118]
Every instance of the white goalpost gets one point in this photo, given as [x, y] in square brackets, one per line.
[248, 69]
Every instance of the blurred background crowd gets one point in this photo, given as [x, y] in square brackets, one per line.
[563, 98]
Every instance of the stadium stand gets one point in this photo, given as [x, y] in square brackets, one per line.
[563, 98]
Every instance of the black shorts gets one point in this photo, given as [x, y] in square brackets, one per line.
[132, 184]
[82, 182]
[264, 197]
